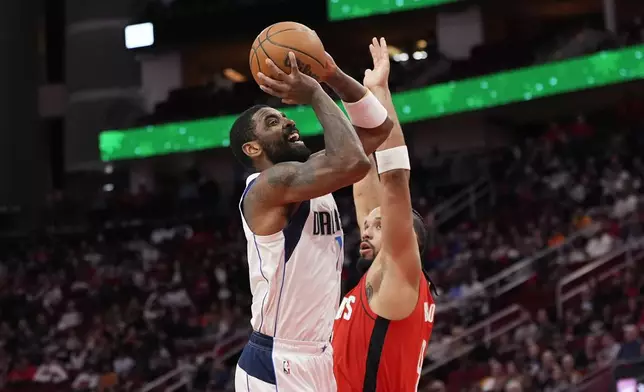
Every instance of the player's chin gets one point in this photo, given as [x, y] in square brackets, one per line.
[299, 151]
[298, 146]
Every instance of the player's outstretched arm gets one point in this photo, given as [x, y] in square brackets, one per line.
[366, 192]
[399, 242]
[343, 161]
[353, 95]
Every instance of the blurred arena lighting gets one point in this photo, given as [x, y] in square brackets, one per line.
[519, 85]
[393, 50]
[419, 55]
[234, 76]
[108, 187]
[401, 57]
[351, 9]
[421, 44]
[109, 169]
[139, 35]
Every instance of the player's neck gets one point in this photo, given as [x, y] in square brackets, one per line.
[262, 164]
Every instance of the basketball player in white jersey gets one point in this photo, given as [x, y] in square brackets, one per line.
[292, 225]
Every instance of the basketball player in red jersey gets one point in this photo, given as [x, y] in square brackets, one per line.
[383, 325]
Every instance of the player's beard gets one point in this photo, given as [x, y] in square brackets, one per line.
[285, 151]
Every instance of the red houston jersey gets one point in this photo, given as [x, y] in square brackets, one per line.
[373, 354]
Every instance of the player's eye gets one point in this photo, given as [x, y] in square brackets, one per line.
[378, 225]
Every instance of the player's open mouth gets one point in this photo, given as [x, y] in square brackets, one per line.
[294, 138]
[365, 248]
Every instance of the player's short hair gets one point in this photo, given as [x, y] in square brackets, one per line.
[242, 132]
[421, 231]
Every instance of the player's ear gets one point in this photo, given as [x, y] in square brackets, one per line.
[252, 149]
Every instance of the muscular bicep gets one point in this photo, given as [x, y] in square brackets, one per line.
[292, 182]
[372, 138]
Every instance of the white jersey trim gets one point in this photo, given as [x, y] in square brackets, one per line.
[264, 239]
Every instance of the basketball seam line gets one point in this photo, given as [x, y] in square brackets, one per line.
[268, 38]
[259, 66]
[259, 44]
[263, 50]
[281, 31]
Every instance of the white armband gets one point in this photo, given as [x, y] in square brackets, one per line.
[392, 159]
[367, 113]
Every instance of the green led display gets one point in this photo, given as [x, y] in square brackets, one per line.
[600, 69]
[351, 9]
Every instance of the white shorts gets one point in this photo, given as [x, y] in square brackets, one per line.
[275, 365]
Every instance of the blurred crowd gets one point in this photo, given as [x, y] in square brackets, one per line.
[138, 285]
[557, 185]
[114, 305]
[116, 310]
[554, 355]
[576, 190]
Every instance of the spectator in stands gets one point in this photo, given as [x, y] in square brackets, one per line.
[625, 204]
[512, 373]
[496, 380]
[599, 245]
[609, 349]
[557, 382]
[570, 373]
[631, 348]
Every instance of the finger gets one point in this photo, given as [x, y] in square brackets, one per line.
[270, 91]
[293, 60]
[374, 53]
[374, 42]
[329, 58]
[271, 83]
[383, 47]
[277, 73]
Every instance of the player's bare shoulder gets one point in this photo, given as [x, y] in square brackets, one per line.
[391, 296]
[264, 215]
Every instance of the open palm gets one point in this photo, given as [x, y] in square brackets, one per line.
[379, 75]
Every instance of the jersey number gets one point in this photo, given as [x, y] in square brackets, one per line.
[346, 310]
[421, 357]
[429, 312]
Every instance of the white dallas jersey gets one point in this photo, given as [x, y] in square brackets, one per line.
[295, 273]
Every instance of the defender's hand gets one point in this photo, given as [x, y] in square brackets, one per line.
[379, 75]
[295, 88]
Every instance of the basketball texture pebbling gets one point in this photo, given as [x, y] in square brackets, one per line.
[277, 40]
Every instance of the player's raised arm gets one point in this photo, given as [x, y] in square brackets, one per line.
[343, 161]
[366, 192]
[361, 105]
[399, 242]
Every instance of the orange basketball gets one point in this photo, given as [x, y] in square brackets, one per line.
[277, 40]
